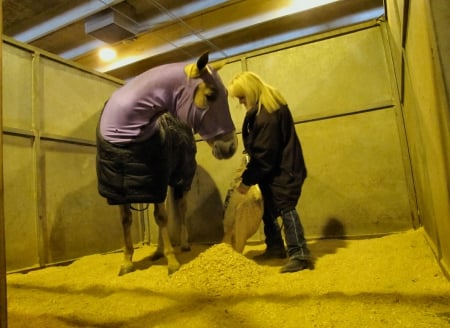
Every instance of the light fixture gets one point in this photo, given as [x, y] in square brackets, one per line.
[110, 26]
[107, 54]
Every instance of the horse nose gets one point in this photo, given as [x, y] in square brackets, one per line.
[225, 150]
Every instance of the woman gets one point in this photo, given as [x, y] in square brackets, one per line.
[276, 165]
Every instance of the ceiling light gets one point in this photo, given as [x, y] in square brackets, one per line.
[107, 54]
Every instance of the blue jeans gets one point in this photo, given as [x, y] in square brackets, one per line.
[295, 237]
[293, 232]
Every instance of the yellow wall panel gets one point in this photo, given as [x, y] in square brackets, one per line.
[431, 138]
[71, 100]
[355, 175]
[78, 220]
[396, 28]
[329, 77]
[53, 182]
[17, 92]
[21, 229]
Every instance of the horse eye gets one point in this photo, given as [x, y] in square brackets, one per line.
[211, 95]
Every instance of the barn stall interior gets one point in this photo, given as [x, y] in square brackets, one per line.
[370, 102]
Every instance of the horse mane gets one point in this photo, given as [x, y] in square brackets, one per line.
[174, 131]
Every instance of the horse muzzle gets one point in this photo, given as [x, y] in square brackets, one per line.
[224, 146]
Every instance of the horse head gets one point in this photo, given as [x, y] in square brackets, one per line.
[210, 102]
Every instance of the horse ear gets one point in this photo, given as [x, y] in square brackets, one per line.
[202, 61]
[194, 70]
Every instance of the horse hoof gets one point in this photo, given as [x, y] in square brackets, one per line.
[156, 256]
[185, 248]
[126, 269]
[173, 268]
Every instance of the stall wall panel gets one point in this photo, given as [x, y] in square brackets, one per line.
[417, 150]
[21, 230]
[17, 88]
[431, 110]
[343, 74]
[71, 100]
[395, 12]
[78, 221]
[440, 12]
[51, 111]
[237, 111]
[356, 181]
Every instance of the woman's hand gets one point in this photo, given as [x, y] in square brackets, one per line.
[243, 188]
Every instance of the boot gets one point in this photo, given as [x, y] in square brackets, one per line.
[295, 264]
[271, 253]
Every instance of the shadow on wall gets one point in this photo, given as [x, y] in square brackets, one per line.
[205, 209]
[333, 229]
[78, 220]
[81, 224]
[332, 233]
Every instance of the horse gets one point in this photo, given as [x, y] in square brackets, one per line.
[146, 147]
[242, 213]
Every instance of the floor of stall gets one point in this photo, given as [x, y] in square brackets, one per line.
[391, 281]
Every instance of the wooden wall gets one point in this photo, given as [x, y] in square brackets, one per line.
[419, 34]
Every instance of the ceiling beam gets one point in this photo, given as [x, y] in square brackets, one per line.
[352, 19]
[166, 17]
[131, 69]
[57, 22]
[276, 10]
[175, 14]
[272, 14]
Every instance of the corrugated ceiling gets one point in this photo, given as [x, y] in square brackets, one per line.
[172, 30]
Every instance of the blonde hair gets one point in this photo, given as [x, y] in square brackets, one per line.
[256, 91]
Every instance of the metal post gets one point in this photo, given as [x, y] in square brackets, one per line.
[3, 303]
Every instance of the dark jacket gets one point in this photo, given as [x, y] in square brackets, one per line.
[276, 157]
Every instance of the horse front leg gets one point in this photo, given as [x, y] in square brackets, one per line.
[127, 264]
[180, 207]
[161, 220]
[171, 209]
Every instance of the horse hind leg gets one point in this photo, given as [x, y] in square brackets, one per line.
[126, 218]
[161, 219]
[159, 249]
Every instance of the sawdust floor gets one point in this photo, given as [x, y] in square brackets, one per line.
[392, 281]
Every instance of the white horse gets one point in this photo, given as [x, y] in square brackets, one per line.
[185, 98]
